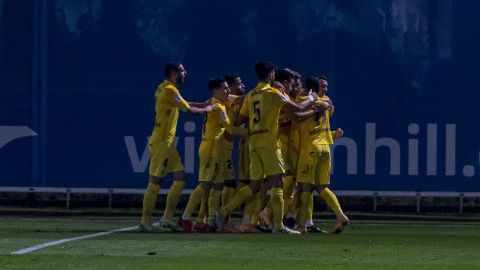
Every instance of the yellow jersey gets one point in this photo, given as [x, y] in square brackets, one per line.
[262, 107]
[315, 130]
[217, 123]
[232, 112]
[167, 103]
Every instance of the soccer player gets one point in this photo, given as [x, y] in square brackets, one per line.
[233, 104]
[164, 157]
[284, 81]
[213, 163]
[261, 108]
[314, 161]
[237, 88]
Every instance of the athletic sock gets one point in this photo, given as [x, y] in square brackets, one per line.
[213, 204]
[310, 211]
[202, 213]
[240, 197]
[149, 202]
[193, 202]
[173, 197]
[277, 207]
[293, 207]
[288, 190]
[227, 195]
[331, 201]
[260, 203]
[303, 209]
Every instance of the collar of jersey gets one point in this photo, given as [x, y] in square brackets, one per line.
[216, 100]
[263, 86]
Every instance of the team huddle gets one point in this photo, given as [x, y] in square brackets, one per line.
[284, 126]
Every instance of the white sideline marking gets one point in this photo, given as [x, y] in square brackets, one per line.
[61, 241]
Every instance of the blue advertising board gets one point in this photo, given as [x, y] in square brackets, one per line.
[77, 83]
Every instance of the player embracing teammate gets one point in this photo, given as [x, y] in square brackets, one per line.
[276, 113]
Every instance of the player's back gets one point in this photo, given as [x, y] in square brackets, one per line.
[213, 130]
[262, 106]
[167, 103]
[316, 129]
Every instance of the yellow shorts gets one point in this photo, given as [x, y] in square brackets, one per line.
[243, 161]
[265, 162]
[284, 150]
[314, 165]
[293, 158]
[164, 158]
[212, 162]
[229, 172]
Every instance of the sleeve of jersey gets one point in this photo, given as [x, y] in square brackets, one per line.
[176, 100]
[278, 99]
[330, 112]
[231, 128]
[244, 109]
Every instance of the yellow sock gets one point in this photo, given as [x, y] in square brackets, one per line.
[213, 204]
[202, 213]
[193, 202]
[172, 199]
[227, 195]
[241, 196]
[331, 200]
[277, 207]
[302, 215]
[149, 202]
[293, 207]
[250, 205]
[288, 190]
[260, 204]
[310, 208]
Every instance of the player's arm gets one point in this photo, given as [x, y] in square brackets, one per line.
[291, 106]
[231, 129]
[300, 116]
[175, 99]
[236, 99]
[199, 104]
[242, 117]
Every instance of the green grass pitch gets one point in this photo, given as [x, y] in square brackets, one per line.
[364, 245]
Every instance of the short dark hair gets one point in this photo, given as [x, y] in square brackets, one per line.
[297, 74]
[171, 68]
[215, 83]
[230, 78]
[312, 83]
[322, 77]
[263, 69]
[284, 75]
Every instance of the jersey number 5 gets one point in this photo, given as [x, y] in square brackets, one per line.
[256, 111]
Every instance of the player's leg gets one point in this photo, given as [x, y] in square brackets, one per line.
[229, 187]
[246, 193]
[293, 201]
[195, 199]
[175, 166]
[150, 201]
[305, 196]
[243, 165]
[157, 170]
[274, 169]
[322, 183]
